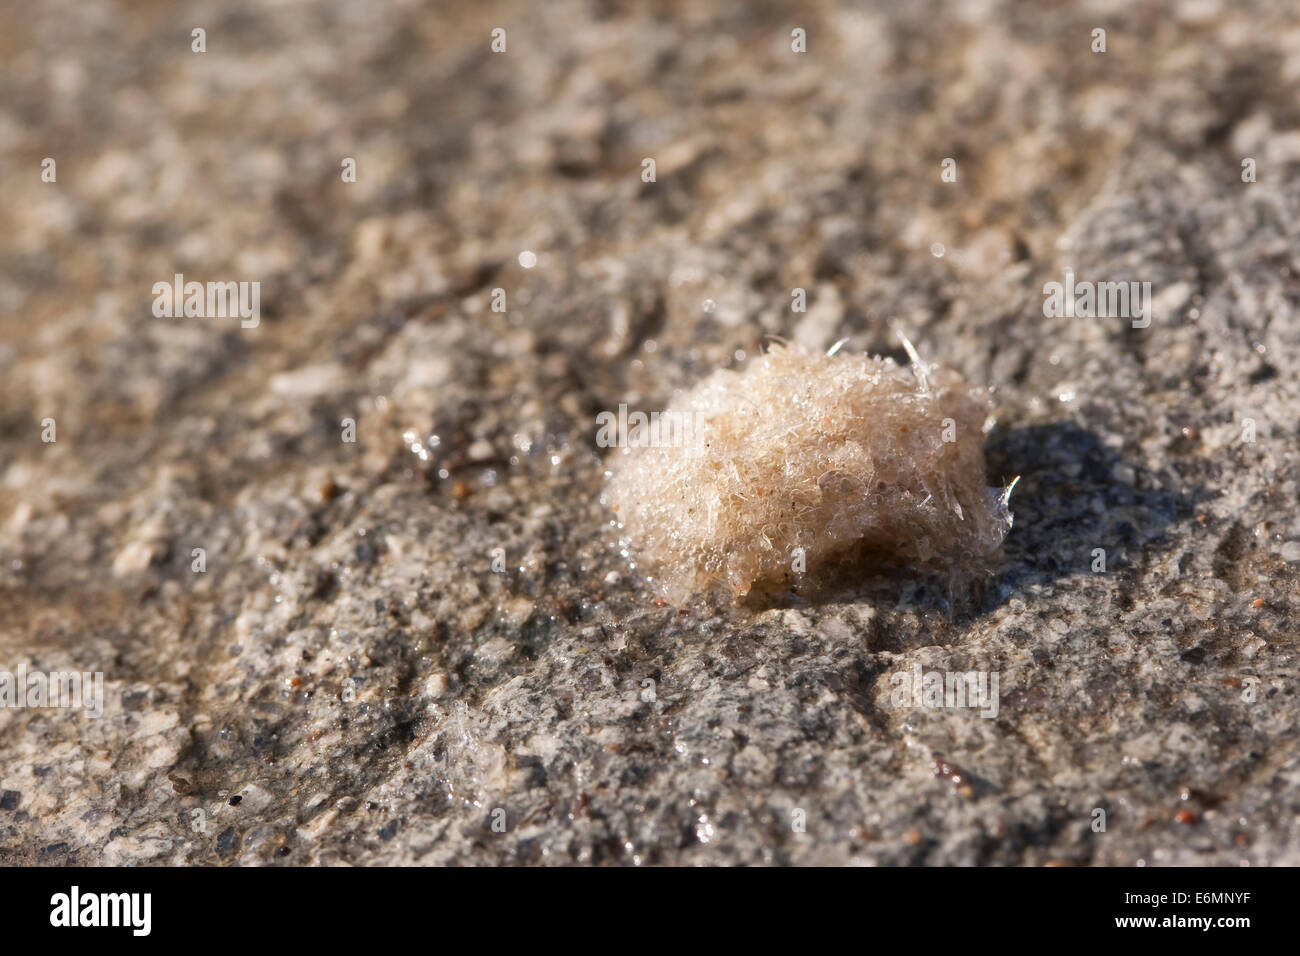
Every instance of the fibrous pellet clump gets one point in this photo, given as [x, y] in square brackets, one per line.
[803, 462]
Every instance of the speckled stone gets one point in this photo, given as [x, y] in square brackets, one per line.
[351, 681]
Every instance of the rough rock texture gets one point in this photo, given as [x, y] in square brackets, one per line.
[352, 668]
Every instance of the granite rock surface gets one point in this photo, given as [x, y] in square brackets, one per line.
[426, 645]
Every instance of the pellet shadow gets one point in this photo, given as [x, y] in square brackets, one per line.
[1075, 495]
